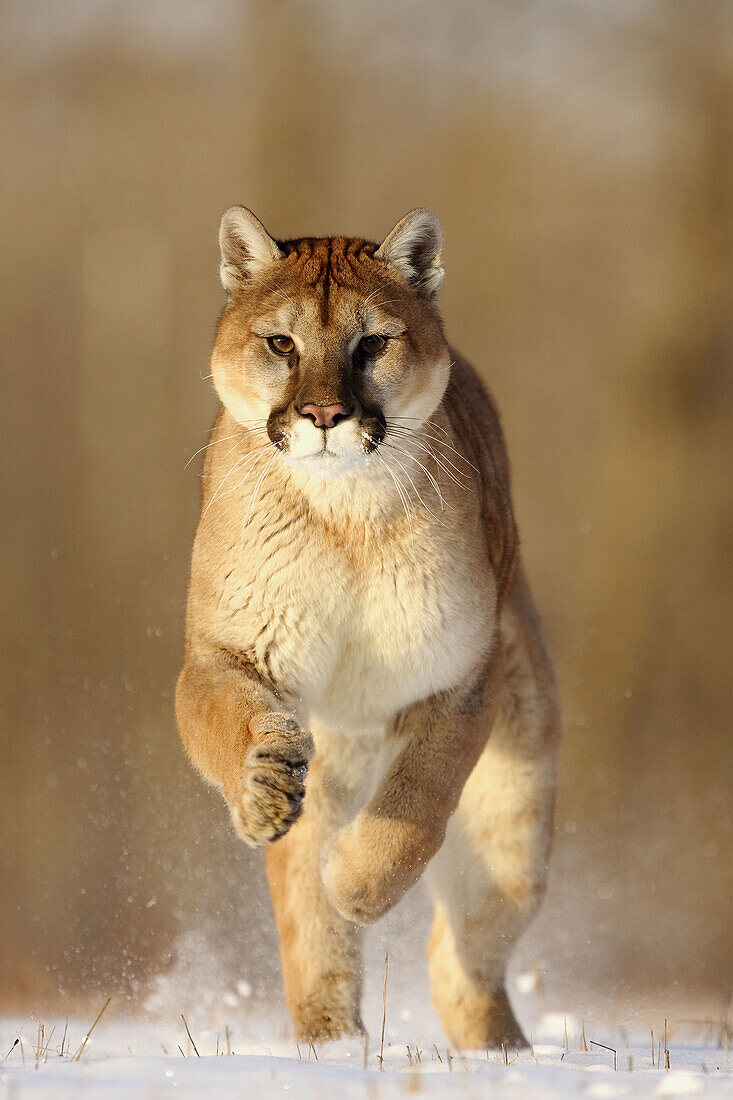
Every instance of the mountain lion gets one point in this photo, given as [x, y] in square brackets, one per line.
[366, 677]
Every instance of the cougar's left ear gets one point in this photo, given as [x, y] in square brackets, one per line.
[414, 249]
[245, 245]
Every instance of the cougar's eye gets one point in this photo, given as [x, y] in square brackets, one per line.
[372, 344]
[281, 345]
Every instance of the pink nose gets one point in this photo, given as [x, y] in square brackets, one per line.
[325, 416]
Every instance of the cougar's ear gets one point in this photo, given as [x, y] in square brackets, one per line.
[245, 245]
[414, 248]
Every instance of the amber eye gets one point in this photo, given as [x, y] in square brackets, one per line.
[281, 345]
[372, 344]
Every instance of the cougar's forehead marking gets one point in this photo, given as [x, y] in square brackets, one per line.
[322, 263]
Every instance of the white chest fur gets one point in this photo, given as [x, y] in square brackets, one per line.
[356, 637]
[415, 626]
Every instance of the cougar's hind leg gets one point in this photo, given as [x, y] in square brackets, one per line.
[489, 877]
[320, 951]
[487, 882]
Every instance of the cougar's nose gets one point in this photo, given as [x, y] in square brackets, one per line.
[325, 416]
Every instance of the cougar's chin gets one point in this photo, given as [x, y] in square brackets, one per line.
[327, 464]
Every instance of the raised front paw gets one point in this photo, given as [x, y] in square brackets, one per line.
[269, 797]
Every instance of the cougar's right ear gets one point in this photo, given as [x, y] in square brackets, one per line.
[246, 247]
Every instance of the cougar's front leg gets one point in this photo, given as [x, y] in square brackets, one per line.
[238, 734]
[320, 951]
[385, 849]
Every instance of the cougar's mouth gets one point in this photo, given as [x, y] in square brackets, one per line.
[300, 440]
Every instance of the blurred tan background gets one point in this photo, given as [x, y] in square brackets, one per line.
[580, 156]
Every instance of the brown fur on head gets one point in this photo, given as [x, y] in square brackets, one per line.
[330, 322]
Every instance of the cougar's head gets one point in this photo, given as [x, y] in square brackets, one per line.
[324, 342]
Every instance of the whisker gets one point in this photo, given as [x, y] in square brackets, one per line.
[449, 447]
[279, 290]
[417, 491]
[389, 302]
[431, 423]
[445, 470]
[407, 504]
[436, 458]
[250, 468]
[416, 434]
[369, 297]
[401, 491]
[237, 465]
[226, 456]
[242, 425]
[255, 490]
[421, 430]
[210, 444]
[426, 471]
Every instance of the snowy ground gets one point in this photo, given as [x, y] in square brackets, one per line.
[123, 1059]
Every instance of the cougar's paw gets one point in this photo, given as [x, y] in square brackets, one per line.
[326, 1015]
[476, 1020]
[269, 797]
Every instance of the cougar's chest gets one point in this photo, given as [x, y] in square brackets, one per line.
[419, 624]
[357, 636]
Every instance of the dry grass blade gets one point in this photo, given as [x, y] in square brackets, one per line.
[384, 1010]
[47, 1046]
[39, 1038]
[85, 1040]
[15, 1043]
[666, 1049]
[604, 1047]
[190, 1036]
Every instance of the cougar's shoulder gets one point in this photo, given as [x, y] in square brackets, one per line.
[475, 421]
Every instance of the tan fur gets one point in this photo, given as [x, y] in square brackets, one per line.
[358, 590]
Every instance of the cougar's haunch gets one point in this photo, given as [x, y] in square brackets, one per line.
[366, 677]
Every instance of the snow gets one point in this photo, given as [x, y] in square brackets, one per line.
[125, 1059]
